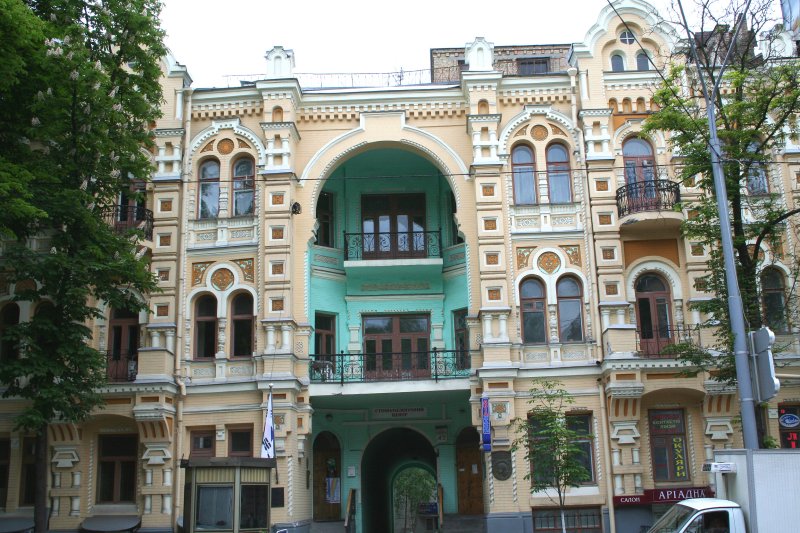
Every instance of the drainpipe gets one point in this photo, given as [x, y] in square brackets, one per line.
[177, 478]
[594, 288]
[607, 454]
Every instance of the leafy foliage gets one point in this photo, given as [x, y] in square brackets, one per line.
[550, 443]
[412, 487]
[79, 90]
[756, 113]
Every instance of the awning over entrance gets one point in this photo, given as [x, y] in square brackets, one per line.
[111, 523]
[16, 524]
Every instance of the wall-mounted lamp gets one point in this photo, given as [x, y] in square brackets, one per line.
[297, 208]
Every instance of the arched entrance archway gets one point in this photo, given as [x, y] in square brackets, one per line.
[327, 477]
[383, 457]
[469, 468]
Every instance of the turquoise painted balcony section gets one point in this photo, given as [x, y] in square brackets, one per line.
[357, 368]
[455, 255]
[393, 245]
[387, 246]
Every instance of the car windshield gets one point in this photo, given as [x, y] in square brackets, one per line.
[673, 520]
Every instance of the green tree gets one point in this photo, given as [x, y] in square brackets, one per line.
[412, 487]
[79, 90]
[756, 113]
[551, 443]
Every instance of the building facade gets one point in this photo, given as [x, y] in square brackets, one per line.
[382, 259]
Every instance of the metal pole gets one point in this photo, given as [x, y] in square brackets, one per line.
[735, 307]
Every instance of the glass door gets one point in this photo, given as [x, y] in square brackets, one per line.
[396, 347]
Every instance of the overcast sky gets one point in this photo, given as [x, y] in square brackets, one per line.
[230, 37]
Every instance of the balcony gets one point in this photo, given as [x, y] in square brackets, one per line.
[648, 195]
[394, 245]
[361, 368]
[653, 342]
[125, 218]
[121, 366]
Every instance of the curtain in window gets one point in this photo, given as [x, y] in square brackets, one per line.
[214, 508]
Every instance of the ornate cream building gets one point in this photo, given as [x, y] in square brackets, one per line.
[384, 258]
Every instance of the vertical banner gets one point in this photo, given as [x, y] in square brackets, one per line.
[487, 426]
[268, 441]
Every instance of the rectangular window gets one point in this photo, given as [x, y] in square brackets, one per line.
[668, 445]
[576, 520]
[206, 332]
[530, 67]
[240, 442]
[325, 220]
[533, 322]
[209, 199]
[581, 424]
[324, 334]
[27, 488]
[253, 510]
[393, 226]
[461, 334]
[116, 478]
[214, 507]
[524, 185]
[789, 424]
[202, 443]
[396, 347]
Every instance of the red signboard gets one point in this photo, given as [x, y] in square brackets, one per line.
[673, 495]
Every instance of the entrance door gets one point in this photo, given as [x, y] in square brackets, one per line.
[393, 225]
[396, 347]
[653, 313]
[640, 175]
[123, 345]
[469, 467]
[327, 477]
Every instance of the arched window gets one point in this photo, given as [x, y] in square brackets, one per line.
[642, 61]
[205, 327]
[533, 308]
[242, 318]
[243, 187]
[209, 189]
[653, 314]
[638, 161]
[558, 174]
[773, 299]
[570, 314]
[9, 317]
[524, 175]
[617, 63]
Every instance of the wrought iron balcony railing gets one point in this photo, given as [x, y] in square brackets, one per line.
[652, 195]
[129, 217]
[653, 341]
[360, 367]
[121, 366]
[393, 245]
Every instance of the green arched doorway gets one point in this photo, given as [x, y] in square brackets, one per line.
[385, 456]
